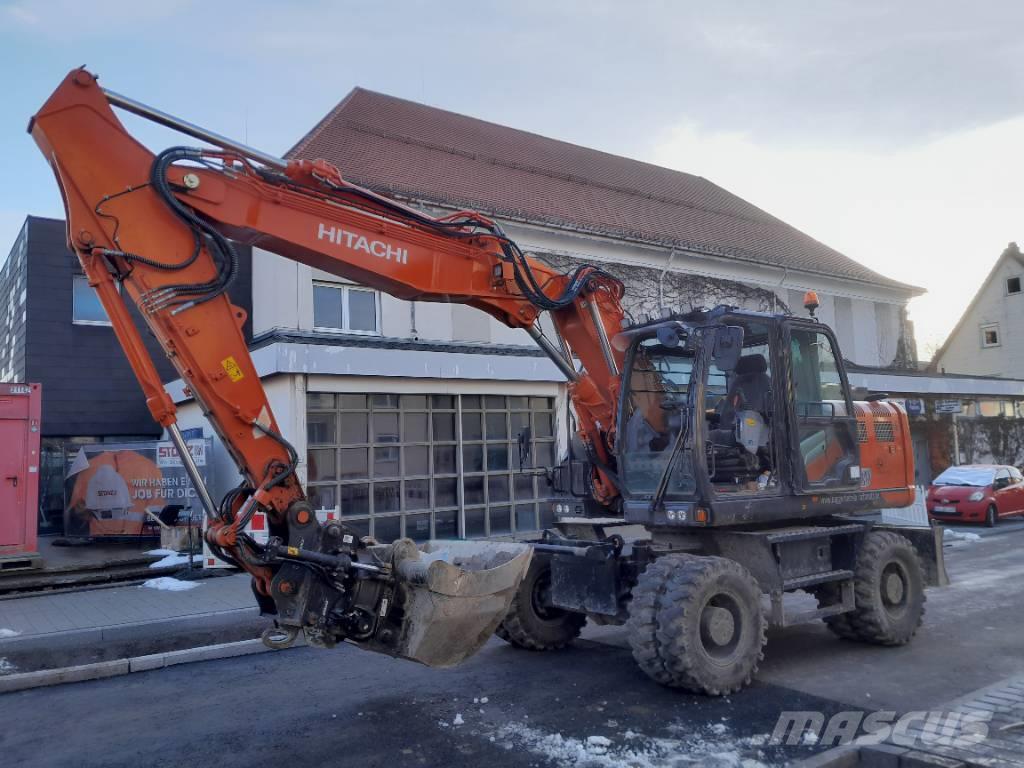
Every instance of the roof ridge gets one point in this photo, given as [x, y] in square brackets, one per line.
[504, 127]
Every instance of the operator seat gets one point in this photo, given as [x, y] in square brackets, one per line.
[749, 390]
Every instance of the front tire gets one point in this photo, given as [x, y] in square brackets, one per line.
[532, 622]
[991, 516]
[888, 590]
[696, 623]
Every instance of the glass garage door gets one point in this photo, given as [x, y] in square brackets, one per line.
[430, 466]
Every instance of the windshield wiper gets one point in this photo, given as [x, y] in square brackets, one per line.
[677, 449]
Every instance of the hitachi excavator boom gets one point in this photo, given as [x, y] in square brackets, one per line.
[163, 227]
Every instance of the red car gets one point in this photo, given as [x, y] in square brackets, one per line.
[976, 493]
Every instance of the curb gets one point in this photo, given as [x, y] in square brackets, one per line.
[25, 680]
[128, 631]
[847, 756]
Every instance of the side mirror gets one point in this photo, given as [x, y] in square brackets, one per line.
[1001, 482]
[727, 347]
[668, 336]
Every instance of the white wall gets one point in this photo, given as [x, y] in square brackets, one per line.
[283, 299]
[282, 295]
[288, 404]
[964, 352]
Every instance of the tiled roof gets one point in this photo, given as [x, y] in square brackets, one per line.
[393, 145]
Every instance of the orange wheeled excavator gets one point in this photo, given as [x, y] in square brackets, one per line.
[718, 455]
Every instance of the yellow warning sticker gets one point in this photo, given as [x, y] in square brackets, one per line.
[232, 369]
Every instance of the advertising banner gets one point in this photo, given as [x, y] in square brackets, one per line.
[110, 487]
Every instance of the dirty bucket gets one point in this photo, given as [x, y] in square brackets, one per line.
[449, 598]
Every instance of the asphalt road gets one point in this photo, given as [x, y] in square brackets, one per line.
[348, 707]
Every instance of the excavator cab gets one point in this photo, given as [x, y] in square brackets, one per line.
[726, 412]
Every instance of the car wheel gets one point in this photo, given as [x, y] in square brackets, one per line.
[991, 516]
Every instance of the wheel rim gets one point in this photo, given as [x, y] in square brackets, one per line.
[895, 589]
[721, 627]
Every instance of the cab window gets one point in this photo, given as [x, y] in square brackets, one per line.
[818, 386]
[659, 382]
[739, 418]
[825, 427]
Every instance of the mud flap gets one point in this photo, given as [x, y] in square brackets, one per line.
[449, 598]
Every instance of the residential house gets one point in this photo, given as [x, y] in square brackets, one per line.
[989, 337]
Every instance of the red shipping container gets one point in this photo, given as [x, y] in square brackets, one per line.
[20, 413]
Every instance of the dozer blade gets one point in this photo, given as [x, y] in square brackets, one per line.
[449, 599]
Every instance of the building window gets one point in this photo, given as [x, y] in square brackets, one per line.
[85, 304]
[1012, 285]
[430, 466]
[990, 335]
[994, 408]
[346, 308]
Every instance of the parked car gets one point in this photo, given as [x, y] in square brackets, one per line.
[976, 493]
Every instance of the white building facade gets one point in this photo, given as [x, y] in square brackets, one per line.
[988, 340]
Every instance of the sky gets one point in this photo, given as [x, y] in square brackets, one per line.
[890, 131]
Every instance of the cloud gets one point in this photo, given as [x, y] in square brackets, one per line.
[63, 19]
[20, 14]
[936, 214]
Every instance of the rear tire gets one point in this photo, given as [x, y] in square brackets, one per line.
[889, 590]
[991, 516]
[532, 623]
[696, 623]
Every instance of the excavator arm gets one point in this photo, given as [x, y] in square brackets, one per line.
[159, 231]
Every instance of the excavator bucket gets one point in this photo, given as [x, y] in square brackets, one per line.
[449, 598]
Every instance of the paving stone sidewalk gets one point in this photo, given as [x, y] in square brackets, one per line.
[50, 614]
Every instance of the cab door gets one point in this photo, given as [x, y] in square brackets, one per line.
[824, 454]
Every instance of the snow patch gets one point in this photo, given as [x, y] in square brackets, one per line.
[948, 534]
[162, 552]
[167, 584]
[174, 559]
[6, 668]
[636, 750]
[458, 719]
[8, 633]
